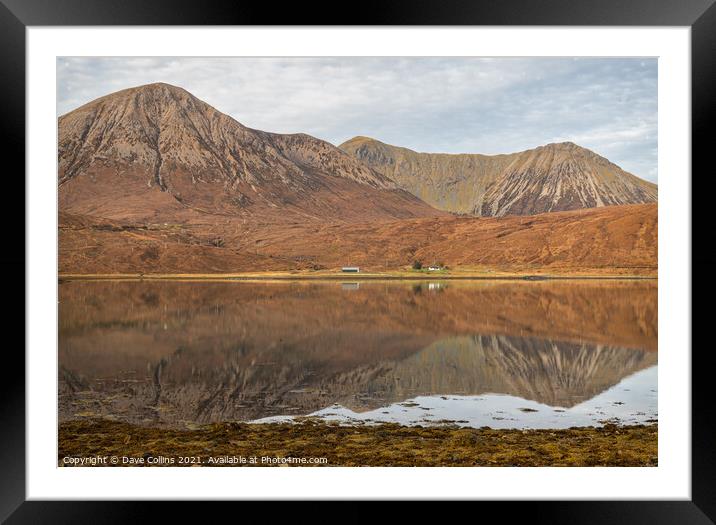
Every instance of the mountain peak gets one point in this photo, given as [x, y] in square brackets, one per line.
[153, 88]
[161, 85]
[154, 92]
[555, 177]
[566, 148]
[358, 140]
[565, 144]
[362, 138]
[159, 140]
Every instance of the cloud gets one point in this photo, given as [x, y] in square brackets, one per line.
[453, 105]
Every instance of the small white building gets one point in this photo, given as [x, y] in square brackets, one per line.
[434, 268]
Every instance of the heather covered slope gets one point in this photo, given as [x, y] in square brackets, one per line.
[555, 177]
[620, 240]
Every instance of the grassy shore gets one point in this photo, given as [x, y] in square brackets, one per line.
[378, 445]
[369, 275]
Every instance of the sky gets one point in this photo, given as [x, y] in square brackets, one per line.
[432, 104]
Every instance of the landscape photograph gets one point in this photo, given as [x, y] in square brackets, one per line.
[357, 261]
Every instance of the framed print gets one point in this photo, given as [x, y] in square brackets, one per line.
[450, 243]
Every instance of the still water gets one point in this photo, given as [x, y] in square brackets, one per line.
[504, 354]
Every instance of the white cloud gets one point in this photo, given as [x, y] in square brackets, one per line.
[428, 104]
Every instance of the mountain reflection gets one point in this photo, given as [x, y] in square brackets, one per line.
[194, 352]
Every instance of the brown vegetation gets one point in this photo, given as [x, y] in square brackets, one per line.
[613, 240]
[379, 445]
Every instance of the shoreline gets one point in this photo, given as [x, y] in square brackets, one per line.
[388, 444]
[389, 276]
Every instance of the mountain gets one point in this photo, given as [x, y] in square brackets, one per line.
[555, 177]
[157, 153]
[153, 180]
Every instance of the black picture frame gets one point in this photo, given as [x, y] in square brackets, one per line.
[17, 15]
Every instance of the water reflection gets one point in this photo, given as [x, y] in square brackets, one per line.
[633, 400]
[180, 353]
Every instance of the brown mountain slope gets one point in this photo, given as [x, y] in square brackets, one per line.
[555, 177]
[157, 153]
[612, 240]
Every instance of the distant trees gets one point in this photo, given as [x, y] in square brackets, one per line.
[417, 265]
